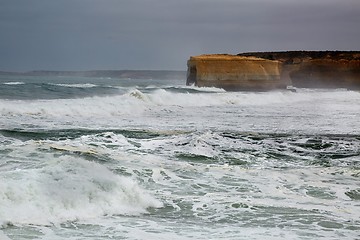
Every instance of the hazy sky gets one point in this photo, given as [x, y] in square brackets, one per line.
[162, 34]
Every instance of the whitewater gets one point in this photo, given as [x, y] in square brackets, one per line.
[99, 158]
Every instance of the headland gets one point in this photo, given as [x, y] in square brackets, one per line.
[276, 70]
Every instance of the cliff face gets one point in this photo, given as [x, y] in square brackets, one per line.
[234, 72]
[326, 73]
[276, 70]
[317, 69]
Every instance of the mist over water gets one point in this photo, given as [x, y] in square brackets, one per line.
[92, 158]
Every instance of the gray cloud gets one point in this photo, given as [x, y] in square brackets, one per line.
[162, 34]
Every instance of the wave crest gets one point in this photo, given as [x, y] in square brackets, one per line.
[69, 189]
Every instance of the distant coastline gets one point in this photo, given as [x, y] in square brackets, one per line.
[132, 74]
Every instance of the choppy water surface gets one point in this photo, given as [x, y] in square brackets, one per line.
[86, 158]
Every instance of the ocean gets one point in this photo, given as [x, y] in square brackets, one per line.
[101, 158]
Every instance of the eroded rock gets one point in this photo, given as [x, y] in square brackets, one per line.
[263, 71]
[234, 72]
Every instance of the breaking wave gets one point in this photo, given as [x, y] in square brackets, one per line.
[69, 189]
[136, 100]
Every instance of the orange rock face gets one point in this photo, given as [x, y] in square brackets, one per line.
[327, 73]
[263, 71]
[234, 72]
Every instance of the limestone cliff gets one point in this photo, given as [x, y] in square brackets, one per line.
[234, 72]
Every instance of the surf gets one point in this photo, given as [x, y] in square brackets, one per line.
[69, 189]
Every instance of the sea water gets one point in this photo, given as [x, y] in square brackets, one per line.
[99, 158]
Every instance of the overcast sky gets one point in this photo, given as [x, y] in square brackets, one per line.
[162, 34]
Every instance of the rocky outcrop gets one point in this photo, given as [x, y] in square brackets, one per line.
[234, 72]
[276, 70]
[317, 69]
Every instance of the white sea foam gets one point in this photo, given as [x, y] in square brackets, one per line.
[69, 189]
[14, 83]
[3, 236]
[87, 107]
[192, 108]
[75, 85]
[163, 97]
[205, 89]
[226, 201]
[136, 100]
[199, 89]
